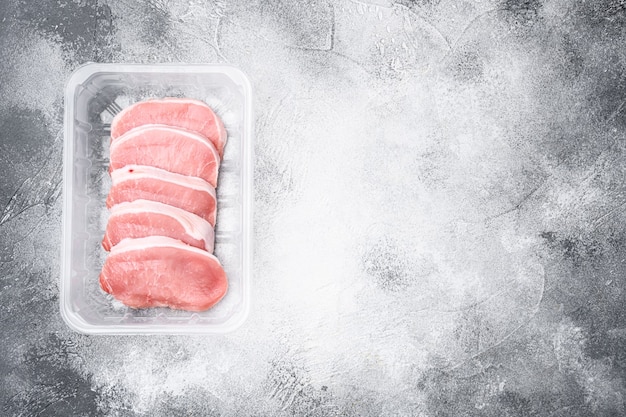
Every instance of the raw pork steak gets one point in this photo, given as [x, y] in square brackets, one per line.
[188, 114]
[168, 148]
[135, 182]
[163, 272]
[143, 218]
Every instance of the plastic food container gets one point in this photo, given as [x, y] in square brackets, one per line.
[93, 95]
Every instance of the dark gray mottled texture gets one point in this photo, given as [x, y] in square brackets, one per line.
[440, 192]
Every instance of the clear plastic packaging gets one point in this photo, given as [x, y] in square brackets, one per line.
[94, 94]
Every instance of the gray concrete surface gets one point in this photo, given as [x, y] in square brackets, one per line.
[439, 210]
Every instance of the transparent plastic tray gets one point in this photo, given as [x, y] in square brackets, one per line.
[94, 94]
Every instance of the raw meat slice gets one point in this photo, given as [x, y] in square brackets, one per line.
[189, 114]
[143, 218]
[134, 182]
[168, 148]
[159, 271]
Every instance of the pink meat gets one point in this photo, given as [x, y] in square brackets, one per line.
[159, 271]
[175, 150]
[188, 114]
[143, 218]
[135, 182]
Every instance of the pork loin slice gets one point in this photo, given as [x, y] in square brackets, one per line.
[140, 182]
[143, 218]
[189, 114]
[160, 271]
[168, 148]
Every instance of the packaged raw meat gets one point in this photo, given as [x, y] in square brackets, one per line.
[97, 98]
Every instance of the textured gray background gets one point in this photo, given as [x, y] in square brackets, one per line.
[439, 210]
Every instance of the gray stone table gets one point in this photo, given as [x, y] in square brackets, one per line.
[440, 189]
